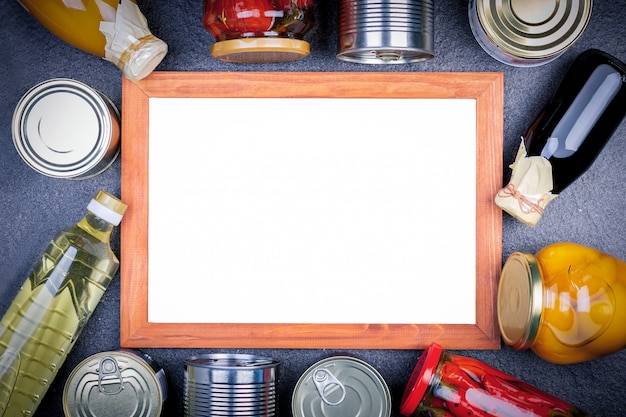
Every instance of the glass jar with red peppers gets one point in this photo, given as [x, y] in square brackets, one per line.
[248, 31]
[447, 385]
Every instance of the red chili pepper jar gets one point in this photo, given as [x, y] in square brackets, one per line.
[447, 385]
[259, 30]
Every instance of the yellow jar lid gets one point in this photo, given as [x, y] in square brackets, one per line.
[260, 50]
[520, 300]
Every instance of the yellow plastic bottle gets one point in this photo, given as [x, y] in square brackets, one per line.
[115, 30]
[567, 303]
[54, 304]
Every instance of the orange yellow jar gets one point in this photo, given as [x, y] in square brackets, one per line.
[567, 303]
[115, 30]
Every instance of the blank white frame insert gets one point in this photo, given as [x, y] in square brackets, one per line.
[312, 210]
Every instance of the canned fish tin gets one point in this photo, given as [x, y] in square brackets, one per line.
[385, 31]
[63, 128]
[120, 383]
[527, 33]
[223, 384]
[341, 386]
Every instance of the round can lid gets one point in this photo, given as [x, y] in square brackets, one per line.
[63, 128]
[114, 383]
[260, 50]
[420, 379]
[520, 300]
[533, 29]
[341, 386]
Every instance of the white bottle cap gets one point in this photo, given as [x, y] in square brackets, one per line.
[107, 207]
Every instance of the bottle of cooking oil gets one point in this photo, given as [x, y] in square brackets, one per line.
[53, 306]
[115, 30]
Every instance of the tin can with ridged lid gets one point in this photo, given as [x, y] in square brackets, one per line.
[225, 384]
[120, 383]
[63, 128]
[527, 33]
[386, 31]
[341, 386]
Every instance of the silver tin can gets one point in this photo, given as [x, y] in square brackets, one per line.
[341, 386]
[385, 31]
[527, 33]
[118, 383]
[224, 384]
[63, 128]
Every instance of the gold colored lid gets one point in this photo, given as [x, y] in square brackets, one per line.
[520, 300]
[110, 201]
[260, 50]
[534, 28]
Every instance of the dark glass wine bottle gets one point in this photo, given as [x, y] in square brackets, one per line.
[567, 136]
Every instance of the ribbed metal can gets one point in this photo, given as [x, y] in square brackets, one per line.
[527, 33]
[224, 384]
[386, 31]
[117, 383]
[63, 128]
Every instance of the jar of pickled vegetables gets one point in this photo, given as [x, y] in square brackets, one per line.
[259, 30]
[443, 384]
[567, 303]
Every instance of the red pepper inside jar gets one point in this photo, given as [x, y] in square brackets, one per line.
[248, 31]
[447, 385]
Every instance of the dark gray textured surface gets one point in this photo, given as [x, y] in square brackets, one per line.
[33, 207]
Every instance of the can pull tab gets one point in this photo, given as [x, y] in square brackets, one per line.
[323, 381]
[108, 373]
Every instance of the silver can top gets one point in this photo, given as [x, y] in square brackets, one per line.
[341, 386]
[118, 383]
[63, 128]
[533, 29]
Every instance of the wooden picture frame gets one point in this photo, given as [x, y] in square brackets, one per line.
[486, 89]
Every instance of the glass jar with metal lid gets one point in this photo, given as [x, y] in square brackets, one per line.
[259, 30]
[445, 384]
[528, 33]
[567, 303]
